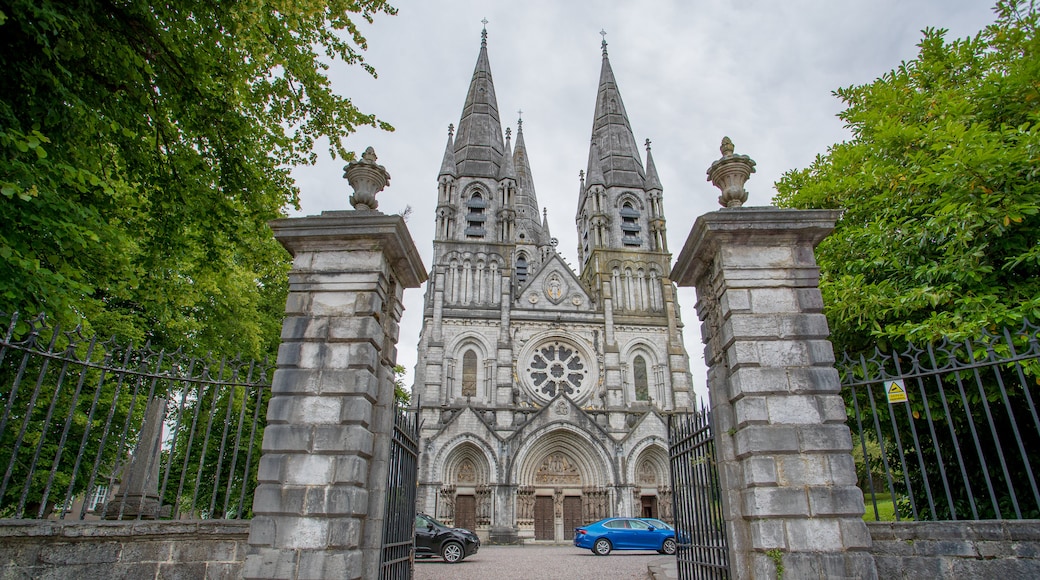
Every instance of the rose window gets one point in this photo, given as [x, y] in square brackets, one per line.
[557, 368]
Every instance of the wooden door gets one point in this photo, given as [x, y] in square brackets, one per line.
[466, 512]
[649, 505]
[544, 519]
[571, 515]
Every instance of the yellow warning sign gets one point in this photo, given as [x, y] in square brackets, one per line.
[896, 391]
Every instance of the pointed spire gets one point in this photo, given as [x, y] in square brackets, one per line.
[618, 156]
[652, 181]
[545, 223]
[478, 143]
[527, 199]
[508, 170]
[525, 180]
[448, 163]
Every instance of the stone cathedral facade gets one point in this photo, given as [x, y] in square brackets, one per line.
[543, 390]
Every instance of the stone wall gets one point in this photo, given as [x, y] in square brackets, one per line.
[127, 549]
[1005, 549]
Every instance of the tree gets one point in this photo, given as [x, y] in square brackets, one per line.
[402, 396]
[940, 191]
[938, 240]
[143, 148]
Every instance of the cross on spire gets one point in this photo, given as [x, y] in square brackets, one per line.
[647, 144]
[603, 33]
[483, 33]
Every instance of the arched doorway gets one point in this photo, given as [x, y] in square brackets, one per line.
[465, 498]
[652, 496]
[560, 475]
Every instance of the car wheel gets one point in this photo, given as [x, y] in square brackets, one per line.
[452, 552]
[668, 547]
[601, 547]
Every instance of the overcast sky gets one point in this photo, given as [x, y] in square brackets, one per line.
[689, 71]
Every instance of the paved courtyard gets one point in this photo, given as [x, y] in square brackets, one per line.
[539, 563]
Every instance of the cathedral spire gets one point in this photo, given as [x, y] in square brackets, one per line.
[525, 180]
[508, 170]
[618, 157]
[478, 143]
[652, 181]
[526, 199]
[448, 163]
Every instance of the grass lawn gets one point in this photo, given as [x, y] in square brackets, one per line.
[886, 508]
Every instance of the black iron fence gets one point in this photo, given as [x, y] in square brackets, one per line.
[92, 429]
[949, 431]
[697, 500]
[396, 558]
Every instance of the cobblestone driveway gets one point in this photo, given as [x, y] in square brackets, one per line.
[539, 563]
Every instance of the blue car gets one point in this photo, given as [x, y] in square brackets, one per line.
[625, 534]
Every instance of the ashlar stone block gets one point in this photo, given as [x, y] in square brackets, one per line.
[766, 502]
[759, 471]
[768, 535]
[814, 535]
[301, 533]
[765, 439]
[308, 469]
[835, 501]
[773, 300]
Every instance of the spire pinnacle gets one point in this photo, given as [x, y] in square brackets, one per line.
[616, 160]
[483, 33]
[652, 180]
[478, 136]
[603, 33]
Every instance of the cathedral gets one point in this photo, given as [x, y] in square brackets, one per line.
[543, 391]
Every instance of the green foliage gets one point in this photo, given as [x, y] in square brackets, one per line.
[777, 556]
[402, 396]
[940, 191]
[143, 148]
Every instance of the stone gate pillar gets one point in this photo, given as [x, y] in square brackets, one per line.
[318, 509]
[784, 451]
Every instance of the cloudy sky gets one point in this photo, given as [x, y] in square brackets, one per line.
[689, 72]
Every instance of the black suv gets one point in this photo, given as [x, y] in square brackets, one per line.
[452, 544]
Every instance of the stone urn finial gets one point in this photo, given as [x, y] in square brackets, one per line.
[730, 173]
[367, 178]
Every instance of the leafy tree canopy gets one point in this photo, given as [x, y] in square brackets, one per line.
[940, 234]
[145, 145]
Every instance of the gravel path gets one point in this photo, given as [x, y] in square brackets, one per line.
[539, 563]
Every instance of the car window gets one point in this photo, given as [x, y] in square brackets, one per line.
[616, 524]
[420, 522]
[638, 525]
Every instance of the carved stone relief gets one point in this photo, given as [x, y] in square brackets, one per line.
[557, 469]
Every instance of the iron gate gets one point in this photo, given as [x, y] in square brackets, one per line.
[697, 500]
[395, 559]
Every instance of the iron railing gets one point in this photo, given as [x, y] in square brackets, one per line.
[949, 431]
[396, 557]
[699, 525]
[90, 428]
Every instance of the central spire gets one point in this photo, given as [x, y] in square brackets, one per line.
[614, 146]
[478, 142]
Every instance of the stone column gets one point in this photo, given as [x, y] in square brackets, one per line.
[138, 496]
[784, 451]
[318, 509]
